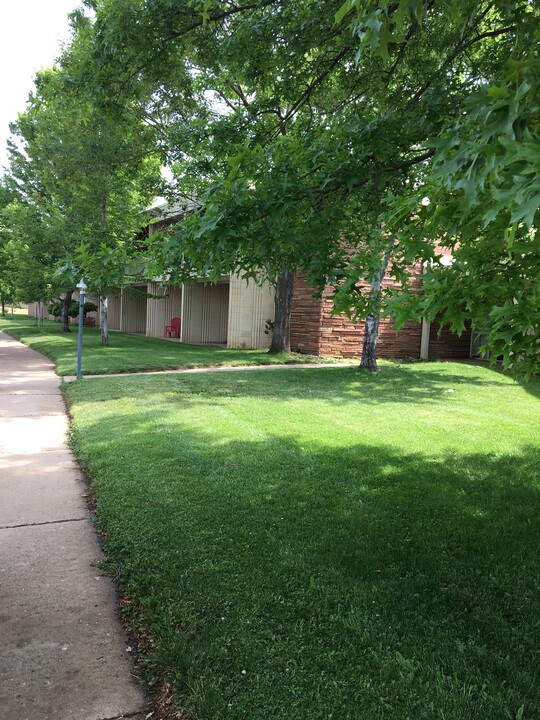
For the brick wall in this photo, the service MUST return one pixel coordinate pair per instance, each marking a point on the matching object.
(448, 345)
(340, 337)
(316, 331)
(306, 317)
(160, 225)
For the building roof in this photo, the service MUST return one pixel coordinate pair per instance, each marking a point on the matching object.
(163, 210)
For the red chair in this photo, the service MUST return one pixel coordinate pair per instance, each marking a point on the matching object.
(173, 330)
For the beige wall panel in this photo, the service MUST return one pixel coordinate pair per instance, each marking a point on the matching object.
(133, 312)
(113, 312)
(205, 313)
(33, 310)
(155, 311)
(191, 314)
(159, 312)
(250, 306)
(215, 313)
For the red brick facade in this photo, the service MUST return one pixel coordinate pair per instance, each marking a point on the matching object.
(314, 330)
(306, 319)
(448, 346)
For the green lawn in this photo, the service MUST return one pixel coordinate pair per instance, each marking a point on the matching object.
(316, 544)
(132, 353)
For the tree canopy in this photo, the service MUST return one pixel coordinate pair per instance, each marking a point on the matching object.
(481, 190)
(329, 138)
(81, 173)
(302, 129)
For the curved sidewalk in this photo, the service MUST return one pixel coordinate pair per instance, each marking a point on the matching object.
(63, 652)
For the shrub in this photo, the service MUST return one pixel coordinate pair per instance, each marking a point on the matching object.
(55, 308)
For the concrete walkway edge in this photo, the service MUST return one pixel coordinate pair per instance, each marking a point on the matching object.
(220, 368)
(63, 654)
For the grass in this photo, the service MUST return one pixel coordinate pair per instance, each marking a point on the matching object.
(322, 543)
(132, 353)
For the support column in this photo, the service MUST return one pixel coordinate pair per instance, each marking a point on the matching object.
(121, 324)
(424, 340)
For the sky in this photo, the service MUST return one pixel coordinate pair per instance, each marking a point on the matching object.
(31, 33)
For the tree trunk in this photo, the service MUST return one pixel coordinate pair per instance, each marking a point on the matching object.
(104, 319)
(104, 307)
(371, 332)
(369, 348)
(104, 209)
(3, 306)
(64, 317)
(281, 336)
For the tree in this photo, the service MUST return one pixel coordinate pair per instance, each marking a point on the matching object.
(34, 262)
(120, 162)
(292, 130)
(6, 281)
(481, 190)
(255, 110)
(193, 85)
(95, 170)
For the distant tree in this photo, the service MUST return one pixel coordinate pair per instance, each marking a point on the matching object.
(295, 125)
(34, 262)
(303, 129)
(6, 281)
(85, 172)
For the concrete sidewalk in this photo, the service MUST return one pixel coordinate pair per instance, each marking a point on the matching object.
(62, 651)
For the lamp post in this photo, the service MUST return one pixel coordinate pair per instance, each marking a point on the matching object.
(81, 287)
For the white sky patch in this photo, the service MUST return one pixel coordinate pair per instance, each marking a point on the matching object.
(31, 33)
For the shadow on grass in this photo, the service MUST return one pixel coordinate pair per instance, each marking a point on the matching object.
(134, 353)
(396, 383)
(406, 382)
(381, 584)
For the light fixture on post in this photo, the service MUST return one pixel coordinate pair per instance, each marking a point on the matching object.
(81, 287)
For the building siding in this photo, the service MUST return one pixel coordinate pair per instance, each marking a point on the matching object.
(204, 314)
(315, 330)
(444, 344)
(133, 310)
(306, 319)
(113, 312)
(160, 310)
(250, 307)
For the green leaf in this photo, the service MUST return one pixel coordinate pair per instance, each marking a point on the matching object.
(345, 9)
